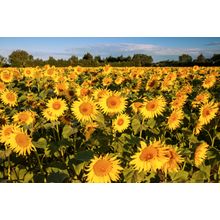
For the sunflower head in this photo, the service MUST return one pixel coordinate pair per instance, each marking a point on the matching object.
(121, 122)
(104, 169)
(200, 153)
(9, 97)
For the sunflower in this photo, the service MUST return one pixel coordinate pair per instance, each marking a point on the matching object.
(208, 112)
(84, 110)
(153, 108)
(178, 102)
(89, 129)
(152, 83)
(6, 132)
(28, 72)
(107, 81)
(57, 106)
(99, 93)
(6, 76)
(174, 160)
(2, 87)
(112, 103)
(24, 117)
(21, 143)
(200, 153)
(174, 119)
(3, 118)
(104, 169)
(121, 122)
(149, 158)
(136, 106)
(9, 97)
(49, 115)
(197, 128)
(201, 98)
(60, 87)
(82, 92)
(209, 81)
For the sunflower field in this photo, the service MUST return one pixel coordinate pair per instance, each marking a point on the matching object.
(110, 124)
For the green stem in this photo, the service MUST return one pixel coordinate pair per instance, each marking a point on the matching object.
(141, 127)
(9, 169)
(40, 165)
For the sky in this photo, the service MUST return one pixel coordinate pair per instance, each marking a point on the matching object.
(159, 48)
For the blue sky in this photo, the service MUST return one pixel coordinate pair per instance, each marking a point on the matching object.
(159, 48)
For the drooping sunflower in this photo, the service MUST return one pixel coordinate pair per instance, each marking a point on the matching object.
(136, 106)
(112, 103)
(174, 160)
(174, 119)
(24, 117)
(153, 108)
(104, 169)
(6, 76)
(89, 129)
(9, 97)
(57, 106)
(6, 132)
(21, 143)
(207, 112)
(200, 153)
(197, 128)
(149, 158)
(121, 122)
(84, 110)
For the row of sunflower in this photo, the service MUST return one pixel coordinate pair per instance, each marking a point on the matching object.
(109, 124)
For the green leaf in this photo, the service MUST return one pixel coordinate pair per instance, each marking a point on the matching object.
(78, 168)
(180, 176)
(151, 123)
(41, 143)
(84, 155)
(68, 131)
(136, 125)
(218, 135)
(198, 177)
(57, 177)
(193, 139)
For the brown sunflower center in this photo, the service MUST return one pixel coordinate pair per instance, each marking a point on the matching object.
(148, 154)
(6, 76)
(102, 167)
(120, 121)
(56, 105)
(22, 140)
(151, 105)
(206, 112)
(86, 108)
(10, 96)
(113, 102)
(23, 117)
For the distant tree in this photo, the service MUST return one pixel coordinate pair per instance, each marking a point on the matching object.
(51, 61)
(216, 59)
(88, 56)
(141, 60)
(73, 60)
(200, 60)
(2, 61)
(20, 58)
(185, 59)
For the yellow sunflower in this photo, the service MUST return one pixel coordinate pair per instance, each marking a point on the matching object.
(49, 115)
(99, 93)
(60, 87)
(6, 132)
(136, 106)
(174, 160)
(200, 153)
(207, 112)
(84, 110)
(209, 81)
(121, 122)
(2, 87)
(112, 103)
(197, 128)
(57, 106)
(201, 98)
(179, 102)
(24, 117)
(174, 119)
(149, 158)
(153, 108)
(9, 97)
(104, 169)
(21, 143)
(6, 76)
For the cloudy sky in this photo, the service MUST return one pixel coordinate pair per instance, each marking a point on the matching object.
(159, 48)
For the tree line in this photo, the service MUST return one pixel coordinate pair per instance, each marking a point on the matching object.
(21, 58)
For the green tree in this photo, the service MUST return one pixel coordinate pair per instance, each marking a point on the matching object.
(141, 60)
(88, 56)
(73, 60)
(2, 61)
(20, 58)
(185, 59)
